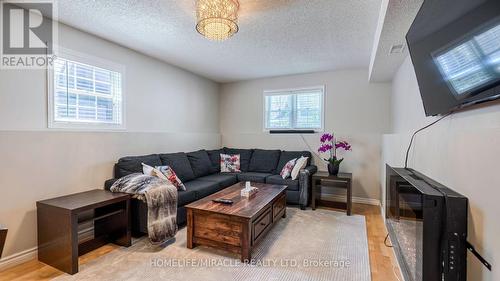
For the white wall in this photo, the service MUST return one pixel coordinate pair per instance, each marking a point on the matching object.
(355, 109)
(167, 109)
(461, 152)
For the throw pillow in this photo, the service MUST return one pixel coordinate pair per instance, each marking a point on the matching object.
(229, 163)
(147, 170)
(155, 172)
(287, 169)
(170, 175)
(299, 165)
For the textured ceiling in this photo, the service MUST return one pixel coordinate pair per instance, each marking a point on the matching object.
(395, 19)
(277, 37)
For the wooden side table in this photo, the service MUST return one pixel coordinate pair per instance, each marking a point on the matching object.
(3, 237)
(59, 220)
(342, 180)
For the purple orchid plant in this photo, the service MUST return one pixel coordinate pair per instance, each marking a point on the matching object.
(330, 145)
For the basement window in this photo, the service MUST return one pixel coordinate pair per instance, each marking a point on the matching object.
(85, 93)
(294, 109)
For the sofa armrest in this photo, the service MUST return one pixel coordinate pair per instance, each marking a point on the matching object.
(305, 184)
(311, 169)
(109, 183)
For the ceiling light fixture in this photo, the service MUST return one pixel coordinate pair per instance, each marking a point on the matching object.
(217, 19)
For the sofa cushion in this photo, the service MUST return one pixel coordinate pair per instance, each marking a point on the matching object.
(214, 156)
(245, 155)
(289, 155)
(264, 161)
(202, 188)
(133, 164)
(180, 164)
(277, 179)
(185, 197)
(224, 180)
(292, 197)
(200, 163)
(253, 176)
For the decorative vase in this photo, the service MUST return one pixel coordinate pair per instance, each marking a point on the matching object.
(333, 169)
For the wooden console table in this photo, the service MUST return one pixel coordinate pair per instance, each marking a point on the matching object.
(59, 220)
(3, 237)
(342, 180)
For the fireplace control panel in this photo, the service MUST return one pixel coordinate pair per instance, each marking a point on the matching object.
(453, 252)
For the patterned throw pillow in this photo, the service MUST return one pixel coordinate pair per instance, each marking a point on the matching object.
(165, 173)
(229, 163)
(287, 169)
(169, 173)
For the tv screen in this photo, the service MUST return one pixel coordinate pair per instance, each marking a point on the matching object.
(455, 49)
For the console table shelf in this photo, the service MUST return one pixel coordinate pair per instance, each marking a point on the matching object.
(93, 219)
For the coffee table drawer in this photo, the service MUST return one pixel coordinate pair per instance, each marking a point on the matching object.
(261, 224)
(218, 228)
(278, 207)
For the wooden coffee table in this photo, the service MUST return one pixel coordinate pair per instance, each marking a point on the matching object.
(238, 227)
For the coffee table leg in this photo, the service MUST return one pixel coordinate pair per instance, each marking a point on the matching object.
(246, 254)
(190, 243)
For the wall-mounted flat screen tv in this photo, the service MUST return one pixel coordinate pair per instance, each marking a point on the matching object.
(455, 50)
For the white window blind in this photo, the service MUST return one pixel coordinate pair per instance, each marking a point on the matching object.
(473, 63)
(294, 109)
(86, 94)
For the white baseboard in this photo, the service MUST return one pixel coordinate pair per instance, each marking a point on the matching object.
(18, 258)
(360, 200)
(31, 254)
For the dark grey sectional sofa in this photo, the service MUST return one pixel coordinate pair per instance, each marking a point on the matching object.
(200, 173)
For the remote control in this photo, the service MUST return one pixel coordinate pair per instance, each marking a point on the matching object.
(223, 201)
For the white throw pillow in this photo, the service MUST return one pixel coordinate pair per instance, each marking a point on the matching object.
(155, 172)
(299, 165)
(147, 170)
(159, 174)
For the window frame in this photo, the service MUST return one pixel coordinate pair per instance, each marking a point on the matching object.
(279, 92)
(84, 125)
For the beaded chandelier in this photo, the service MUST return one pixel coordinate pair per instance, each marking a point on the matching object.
(217, 19)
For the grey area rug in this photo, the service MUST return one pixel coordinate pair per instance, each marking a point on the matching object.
(306, 245)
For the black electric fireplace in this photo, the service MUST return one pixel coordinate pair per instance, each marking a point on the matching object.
(427, 224)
